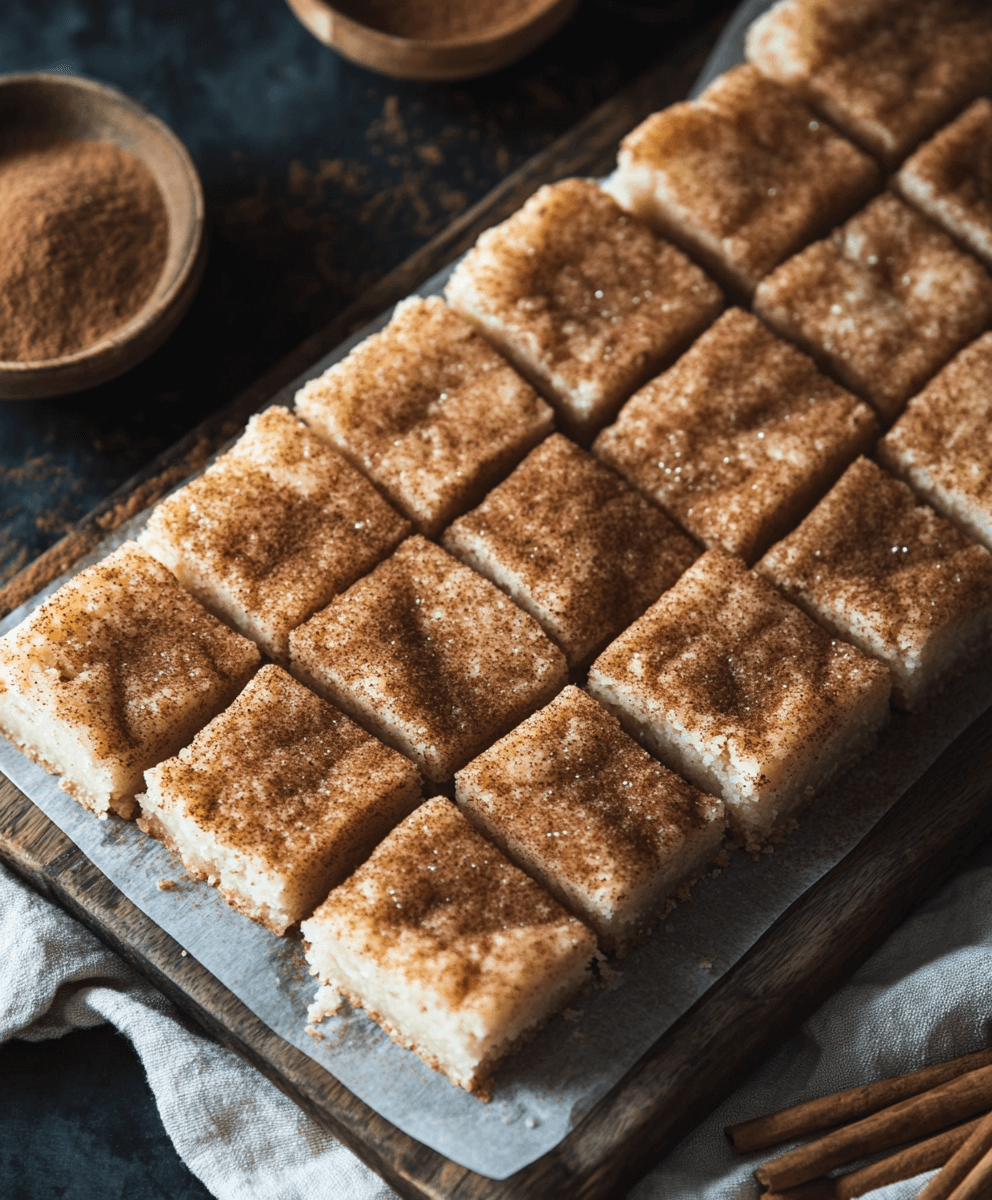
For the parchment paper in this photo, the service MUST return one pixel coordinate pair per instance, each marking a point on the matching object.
(541, 1094)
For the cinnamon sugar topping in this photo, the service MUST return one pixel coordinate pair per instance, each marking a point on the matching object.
(430, 656)
(884, 302)
(739, 438)
(429, 411)
(742, 177)
(583, 298)
(573, 545)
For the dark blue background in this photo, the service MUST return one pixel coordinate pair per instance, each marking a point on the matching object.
(319, 178)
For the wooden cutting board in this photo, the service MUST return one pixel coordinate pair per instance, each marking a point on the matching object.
(805, 956)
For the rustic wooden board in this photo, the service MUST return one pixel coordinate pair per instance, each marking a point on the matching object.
(810, 950)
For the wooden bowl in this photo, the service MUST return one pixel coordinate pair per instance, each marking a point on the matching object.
(415, 58)
(81, 108)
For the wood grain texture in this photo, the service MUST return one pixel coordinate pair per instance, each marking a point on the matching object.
(588, 149)
(804, 957)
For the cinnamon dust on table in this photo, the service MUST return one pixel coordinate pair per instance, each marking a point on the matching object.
(84, 241)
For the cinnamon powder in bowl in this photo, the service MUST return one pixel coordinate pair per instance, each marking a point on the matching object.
(102, 217)
(433, 39)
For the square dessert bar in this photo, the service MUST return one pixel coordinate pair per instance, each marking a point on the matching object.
(430, 657)
(742, 177)
(429, 411)
(886, 72)
(882, 303)
(950, 179)
(739, 438)
(742, 694)
(448, 946)
(274, 529)
(583, 298)
(942, 444)
(609, 831)
(574, 545)
(278, 799)
(113, 673)
(875, 566)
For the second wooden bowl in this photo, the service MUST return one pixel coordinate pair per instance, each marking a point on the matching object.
(498, 42)
(82, 108)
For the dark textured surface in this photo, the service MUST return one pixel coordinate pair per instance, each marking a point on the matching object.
(78, 1120)
(319, 178)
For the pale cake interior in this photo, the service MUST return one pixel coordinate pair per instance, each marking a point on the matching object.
(950, 179)
(456, 952)
(582, 808)
(278, 799)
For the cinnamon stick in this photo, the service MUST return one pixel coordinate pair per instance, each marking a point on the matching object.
(903, 1122)
(960, 1165)
(977, 1185)
(923, 1156)
(851, 1105)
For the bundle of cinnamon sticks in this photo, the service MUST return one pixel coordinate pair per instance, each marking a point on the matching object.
(940, 1117)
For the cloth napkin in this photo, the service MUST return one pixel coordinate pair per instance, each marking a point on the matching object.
(926, 995)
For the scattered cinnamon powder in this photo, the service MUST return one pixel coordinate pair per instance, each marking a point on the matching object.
(85, 238)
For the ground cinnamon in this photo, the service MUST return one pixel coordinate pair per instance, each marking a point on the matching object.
(84, 241)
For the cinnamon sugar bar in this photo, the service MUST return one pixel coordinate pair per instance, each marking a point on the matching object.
(278, 799)
(742, 694)
(942, 444)
(435, 660)
(950, 179)
(454, 951)
(875, 566)
(742, 177)
(274, 529)
(114, 673)
(583, 298)
(574, 546)
(886, 72)
(609, 831)
(429, 411)
(739, 438)
(883, 303)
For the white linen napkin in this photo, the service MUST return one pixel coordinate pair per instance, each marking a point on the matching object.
(926, 995)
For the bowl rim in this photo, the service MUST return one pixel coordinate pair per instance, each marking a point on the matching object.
(155, 307)
(491, 34)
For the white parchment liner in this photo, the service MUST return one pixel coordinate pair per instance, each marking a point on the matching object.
(542, 1093)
